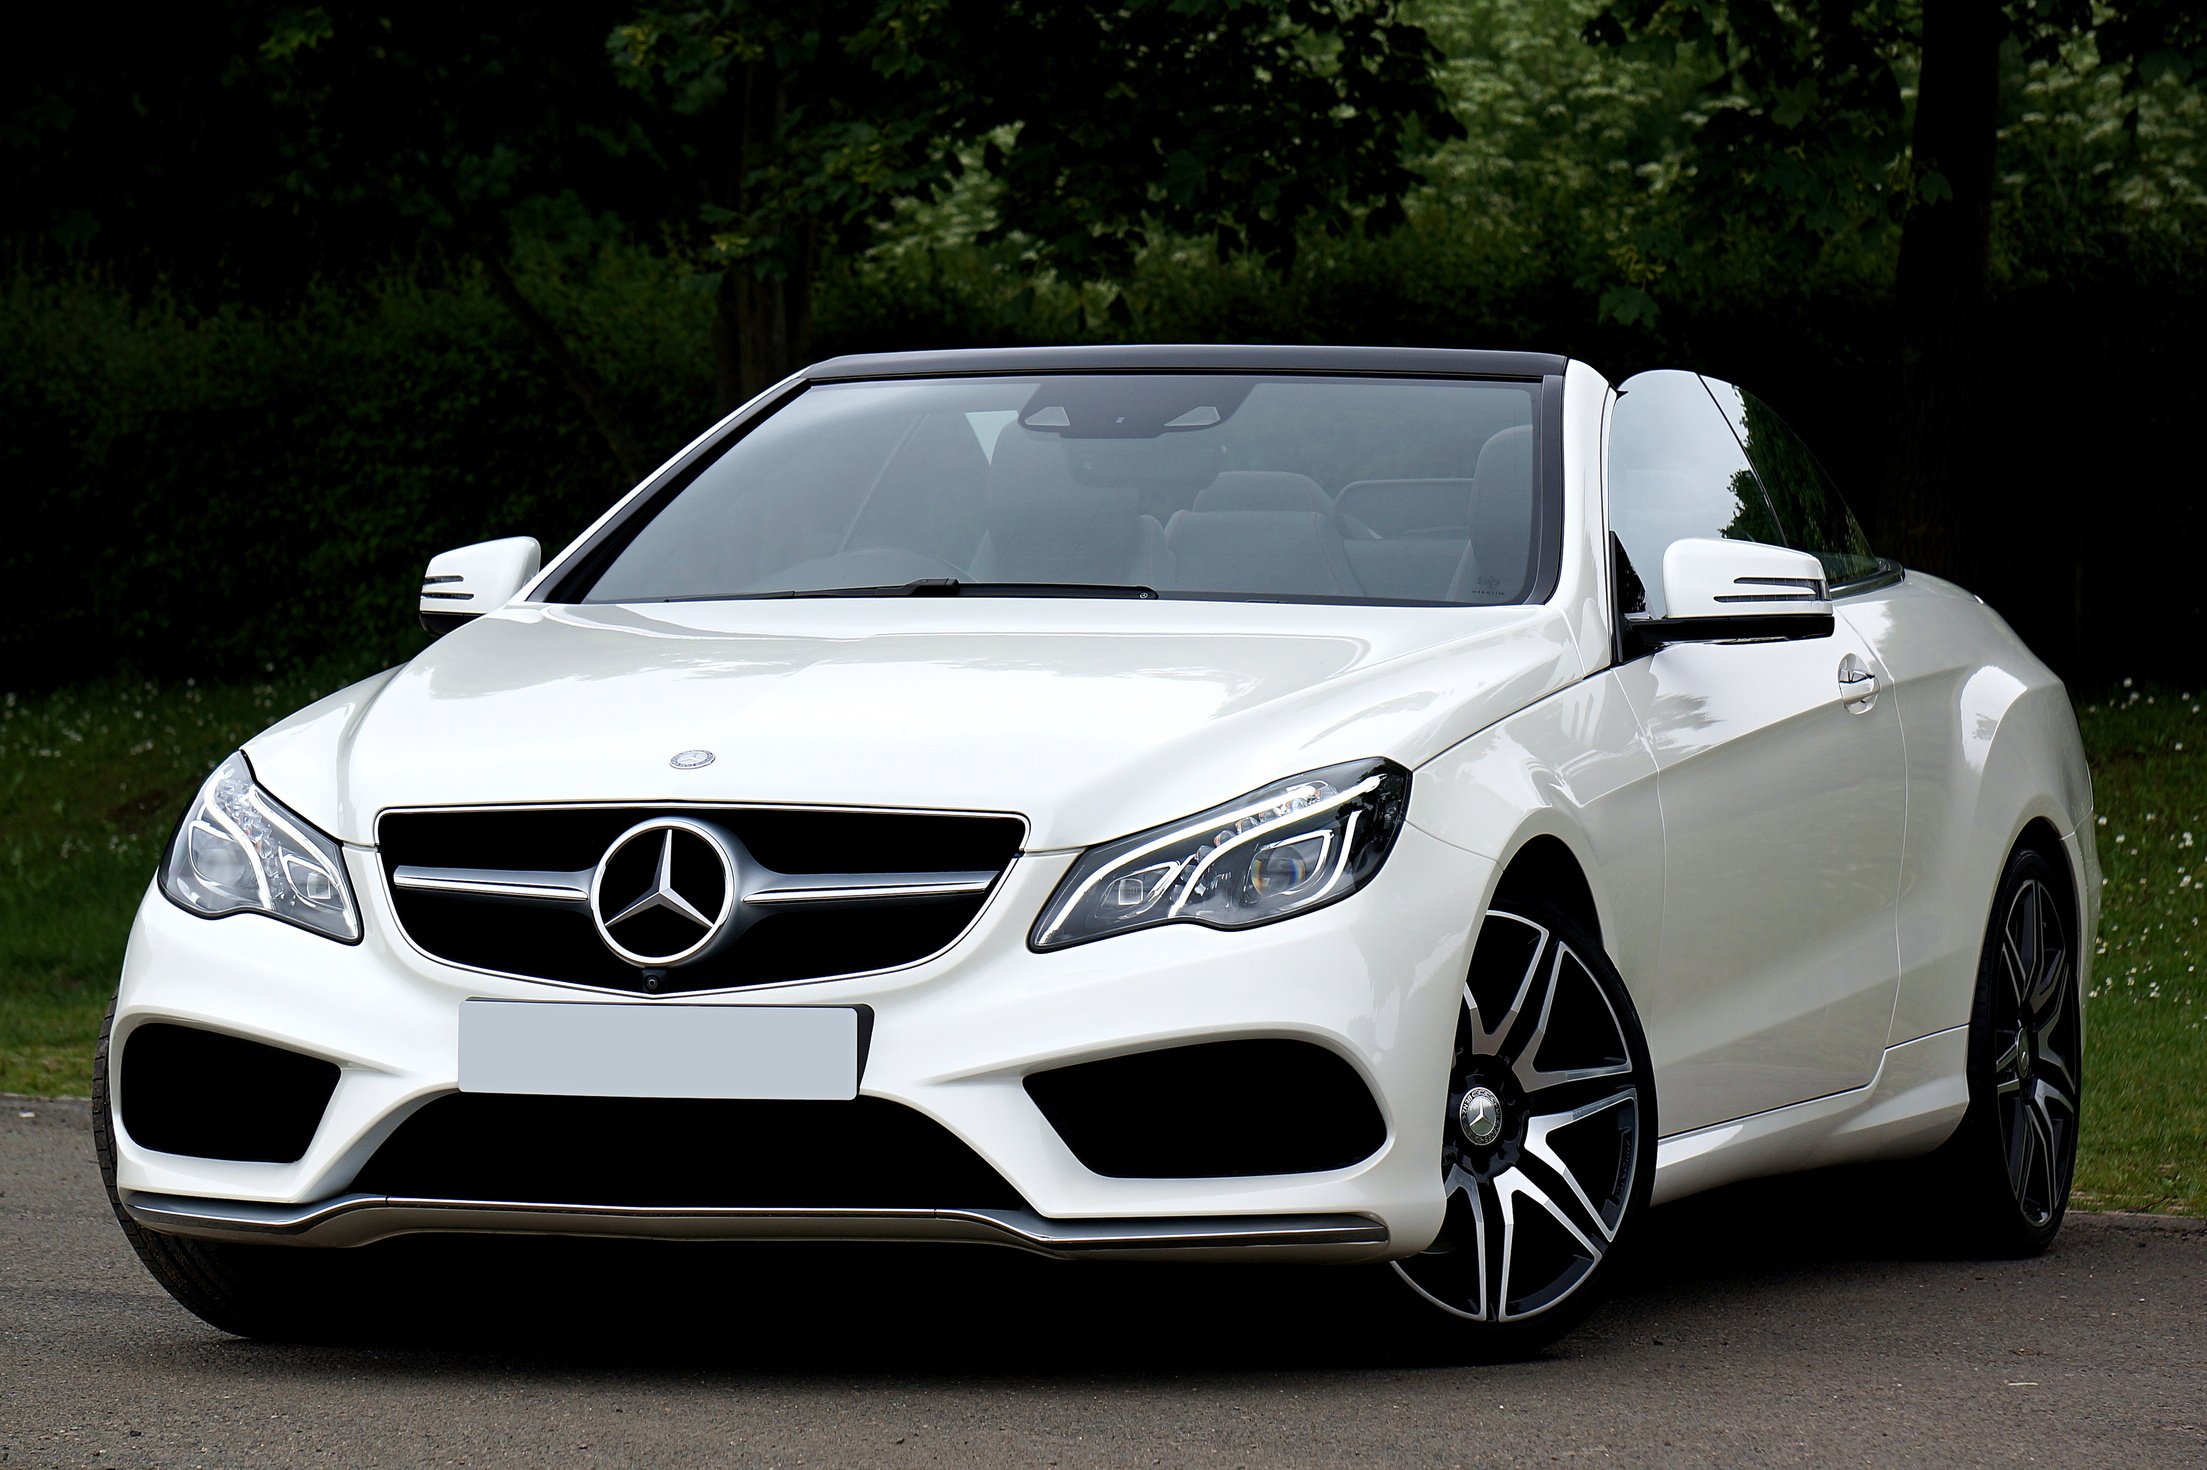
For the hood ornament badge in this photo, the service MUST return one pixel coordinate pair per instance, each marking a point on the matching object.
(690, 760)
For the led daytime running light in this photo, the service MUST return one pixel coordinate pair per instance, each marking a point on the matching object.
(240, 850)
(1240, 864)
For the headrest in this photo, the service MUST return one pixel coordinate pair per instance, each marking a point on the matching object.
(1045, 524)
(1263, 490)
(1407, 507)
(1504, 502)
(1276, 552)
(1508, 455)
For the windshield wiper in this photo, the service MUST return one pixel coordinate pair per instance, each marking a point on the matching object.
(954, 587)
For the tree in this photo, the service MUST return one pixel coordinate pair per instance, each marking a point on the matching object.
(763, 139)
(1811, 132)
(470, 128)
(1099, 122)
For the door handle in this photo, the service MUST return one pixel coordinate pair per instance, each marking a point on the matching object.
(1857, 686)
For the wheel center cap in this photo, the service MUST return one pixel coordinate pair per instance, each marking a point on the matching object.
(1479, 1116)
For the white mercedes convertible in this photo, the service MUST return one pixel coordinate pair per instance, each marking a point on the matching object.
(1322, 804)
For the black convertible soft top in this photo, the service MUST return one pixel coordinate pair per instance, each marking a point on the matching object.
(1420, 361)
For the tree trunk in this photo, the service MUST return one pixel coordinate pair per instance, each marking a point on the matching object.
(762, 330)
(762, 321)
(1933, 491)
(580, 378)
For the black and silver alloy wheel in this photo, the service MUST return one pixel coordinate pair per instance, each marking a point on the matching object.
(2035, 1062)
(1547, 1153)
(2015, 1153)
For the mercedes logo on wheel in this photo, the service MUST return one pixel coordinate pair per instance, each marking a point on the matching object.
(1479, 1115)
(663, 892)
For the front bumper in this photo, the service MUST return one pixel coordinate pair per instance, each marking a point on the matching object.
(1376, 979)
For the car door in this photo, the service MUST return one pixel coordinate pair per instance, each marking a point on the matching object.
(1921, 661)
(1779, 774)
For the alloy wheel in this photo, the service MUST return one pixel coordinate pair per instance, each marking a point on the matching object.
(2035, 1035)
(1545, 1136)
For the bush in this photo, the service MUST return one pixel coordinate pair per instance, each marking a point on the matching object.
(222, 492)
(219, 493)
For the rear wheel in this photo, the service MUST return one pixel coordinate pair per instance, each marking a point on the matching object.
(270, 1291)
(2010, 1163)
(1548, 1144)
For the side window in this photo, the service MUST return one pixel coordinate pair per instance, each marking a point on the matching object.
(1676, 470)
(1810, 512)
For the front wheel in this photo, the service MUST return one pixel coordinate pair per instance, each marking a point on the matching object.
(1548, 1143)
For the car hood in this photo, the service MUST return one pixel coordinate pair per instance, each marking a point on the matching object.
(1092, 718)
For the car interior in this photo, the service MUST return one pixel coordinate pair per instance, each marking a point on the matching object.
(1016, 496)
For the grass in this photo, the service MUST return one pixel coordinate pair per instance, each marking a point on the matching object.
(2145, 1122)
(92, 779)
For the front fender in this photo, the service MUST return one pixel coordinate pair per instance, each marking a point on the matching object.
(1574, 767)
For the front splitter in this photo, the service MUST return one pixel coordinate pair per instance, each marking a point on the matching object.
(361, 1219)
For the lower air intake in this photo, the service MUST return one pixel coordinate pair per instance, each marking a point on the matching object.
(1219, 1109)
(182, 1090)
(867, 1153)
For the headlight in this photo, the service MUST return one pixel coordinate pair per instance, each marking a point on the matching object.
(1306, 841)
(241, 851)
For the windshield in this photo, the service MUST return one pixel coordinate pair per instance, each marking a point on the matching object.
(1294, 488)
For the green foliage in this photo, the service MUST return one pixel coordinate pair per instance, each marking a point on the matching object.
(236, 489)
(1799, 128)
(184, 447)
(451, 119)
(1800, 150)
(1099, 123)
(2097, 173)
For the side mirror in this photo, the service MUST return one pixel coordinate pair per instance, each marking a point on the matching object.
(462, 585)
(1723, 591)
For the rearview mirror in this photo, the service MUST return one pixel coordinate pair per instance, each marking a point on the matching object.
(464, 584)
(1723, 591)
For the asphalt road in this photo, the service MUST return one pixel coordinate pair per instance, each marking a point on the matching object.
(1845, 1346)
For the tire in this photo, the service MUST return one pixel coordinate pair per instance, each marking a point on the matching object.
(290, 1293)
(1548, 1146)
(2008, 1168)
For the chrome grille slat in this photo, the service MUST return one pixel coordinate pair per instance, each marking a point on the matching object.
(837, 888)
(568, 887)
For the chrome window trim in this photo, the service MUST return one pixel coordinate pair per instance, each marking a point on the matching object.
(1890, 573)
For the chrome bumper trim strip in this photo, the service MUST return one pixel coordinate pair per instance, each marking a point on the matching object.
(359, 1219)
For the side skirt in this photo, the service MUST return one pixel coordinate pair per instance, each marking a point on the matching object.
(1910, 1106)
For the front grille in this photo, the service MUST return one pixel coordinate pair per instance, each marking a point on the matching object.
(825, 931)
(670, 1153)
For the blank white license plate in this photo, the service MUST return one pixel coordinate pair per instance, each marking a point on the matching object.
(583, 1050)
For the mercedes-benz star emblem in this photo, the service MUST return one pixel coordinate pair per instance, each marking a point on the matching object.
(1480, 1116)
(690, 760)
(663, 892)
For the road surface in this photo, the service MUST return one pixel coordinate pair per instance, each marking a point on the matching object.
(1742, 1337)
